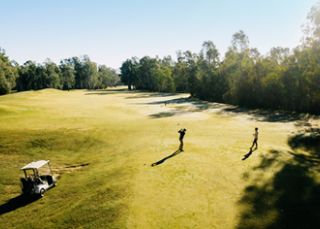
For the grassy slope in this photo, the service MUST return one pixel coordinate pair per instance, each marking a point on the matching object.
(120, 134)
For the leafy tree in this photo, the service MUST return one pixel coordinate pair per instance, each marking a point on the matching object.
(8, 74)
(180, 70)
(212, 84)
(192, 72)
(28, 79)
(67, 76)
(107, 77)
(86, 73)
(240, 42)
(51, 75)
(89, 74)
(129, 72)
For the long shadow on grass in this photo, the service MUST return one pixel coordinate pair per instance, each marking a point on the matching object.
(145, 95)
(291, 198)
(162, 115)
(184, 106)
(199, 105)
(166, 158)
(107, 91)
(267, 115)
(247, 155)
(138, 93)
(255, 114)
(15, 203)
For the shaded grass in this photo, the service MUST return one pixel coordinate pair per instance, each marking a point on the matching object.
(291, 197)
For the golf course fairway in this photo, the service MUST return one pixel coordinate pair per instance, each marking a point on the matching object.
(101, 145)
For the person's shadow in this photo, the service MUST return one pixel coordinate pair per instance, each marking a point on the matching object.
(166, 158)
(15, 203)
(247, 155)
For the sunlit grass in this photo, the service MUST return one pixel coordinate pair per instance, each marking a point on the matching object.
(118, 135)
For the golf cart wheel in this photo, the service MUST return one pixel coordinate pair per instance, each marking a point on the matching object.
(42, 191)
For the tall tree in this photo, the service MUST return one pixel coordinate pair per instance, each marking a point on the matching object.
(129, 72)
(67, 74)
(107, 77)
(28, 79)
(8, 74)
(52, 75)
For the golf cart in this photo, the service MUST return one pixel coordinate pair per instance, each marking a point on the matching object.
(37, 178)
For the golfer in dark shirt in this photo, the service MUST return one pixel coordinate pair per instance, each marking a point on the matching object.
(182, 132)
(255, 138)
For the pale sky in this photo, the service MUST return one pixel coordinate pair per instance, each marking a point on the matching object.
(110, 31)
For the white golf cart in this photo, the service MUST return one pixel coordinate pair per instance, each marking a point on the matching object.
(37, 178)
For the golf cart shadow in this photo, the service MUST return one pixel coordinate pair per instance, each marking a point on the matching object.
(17, 202)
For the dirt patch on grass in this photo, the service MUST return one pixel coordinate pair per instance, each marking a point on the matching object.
(59, 170)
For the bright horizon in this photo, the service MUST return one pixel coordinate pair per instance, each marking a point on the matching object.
(109, 32)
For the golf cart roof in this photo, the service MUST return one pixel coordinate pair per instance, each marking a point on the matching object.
(35, 165)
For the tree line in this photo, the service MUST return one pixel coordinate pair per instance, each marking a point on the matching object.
(72, 73)
(282, 79)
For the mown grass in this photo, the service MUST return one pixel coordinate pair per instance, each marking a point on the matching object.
(92, 196)
(77, 193)
(102, 145)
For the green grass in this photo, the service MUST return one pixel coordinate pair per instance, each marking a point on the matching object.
(119, 134)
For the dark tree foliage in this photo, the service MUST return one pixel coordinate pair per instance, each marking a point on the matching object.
(129, 71)
(74, 72)
(8, 74)
(148, 73)
(67, 74)
(107, 77)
